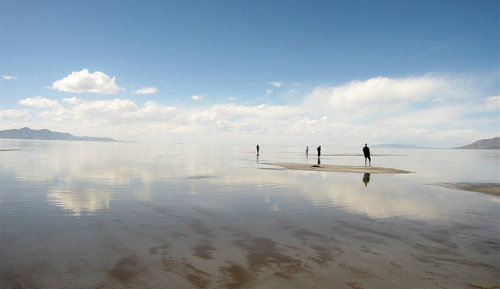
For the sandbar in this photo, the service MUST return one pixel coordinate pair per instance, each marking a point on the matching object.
(339, 168)
(486, 188)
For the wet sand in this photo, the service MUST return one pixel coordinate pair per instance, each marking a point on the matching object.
(486, 188)
(339, 168)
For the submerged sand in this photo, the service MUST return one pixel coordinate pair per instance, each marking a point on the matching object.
(339, 168)
(486, 188)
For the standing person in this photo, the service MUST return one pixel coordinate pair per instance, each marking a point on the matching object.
(307, 151)
(319, 151)
(258, 148)
(366, 152)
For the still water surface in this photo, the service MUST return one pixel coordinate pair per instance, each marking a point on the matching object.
(127, 215)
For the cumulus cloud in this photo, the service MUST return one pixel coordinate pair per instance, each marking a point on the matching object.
(84, 81)
(196, 97)
(382, 95)
(39, 102)
(146, 90)
(406, 110)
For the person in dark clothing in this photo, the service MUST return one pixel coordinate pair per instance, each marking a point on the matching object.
(258, 148)
(366, 152)
(319, 151)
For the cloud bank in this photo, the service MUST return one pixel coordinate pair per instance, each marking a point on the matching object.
(426, 110)
(14, 115)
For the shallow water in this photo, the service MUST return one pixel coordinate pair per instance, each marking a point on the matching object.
(126, 215)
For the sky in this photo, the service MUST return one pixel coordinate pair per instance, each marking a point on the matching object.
(278, 72)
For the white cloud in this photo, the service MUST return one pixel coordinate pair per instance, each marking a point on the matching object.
(39, 102)
(428, 117)
(375, 95)
(115, 109)
(154, 112)
(58, 115)
(8, 77)
(83, 81)
(492, 103)
(277, 84)
(14, 115)
(146, 90)
(72, 100)
(196, 97)
(274, 84)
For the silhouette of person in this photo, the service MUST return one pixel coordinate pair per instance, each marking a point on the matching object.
(307, 150)
(319, 151)
(366, 179)
(366, 152)
(258, 148)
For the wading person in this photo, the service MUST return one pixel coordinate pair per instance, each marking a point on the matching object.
(366, 152)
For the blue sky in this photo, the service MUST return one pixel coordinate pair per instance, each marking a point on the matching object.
(340, 72)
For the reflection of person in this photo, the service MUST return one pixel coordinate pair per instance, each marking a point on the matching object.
(366, 179)
(366, 152)
(258, 148)
(319, 151)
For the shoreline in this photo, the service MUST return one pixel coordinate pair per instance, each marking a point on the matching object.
(339, 168)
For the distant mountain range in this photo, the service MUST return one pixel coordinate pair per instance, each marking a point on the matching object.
(45, 134)
(490, 143)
